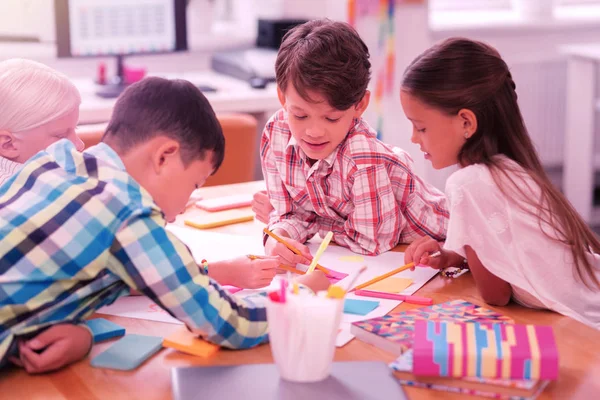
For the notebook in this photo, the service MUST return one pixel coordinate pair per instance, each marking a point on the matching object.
(348, 381)
(484, 350)
(394, 332)
(225, 202)
(103, 329)
(491, 388)
(220, 218)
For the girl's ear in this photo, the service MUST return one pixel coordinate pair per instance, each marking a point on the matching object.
(468, 122)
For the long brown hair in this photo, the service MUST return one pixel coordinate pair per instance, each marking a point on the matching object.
(465, 74)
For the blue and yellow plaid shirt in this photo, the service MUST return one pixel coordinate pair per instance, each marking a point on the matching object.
(76, 232)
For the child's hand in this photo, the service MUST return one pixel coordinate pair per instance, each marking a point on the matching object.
(316, 280)
(274, 248)
(419, 251)
(249, 274)
(54, 348)
(262, 206)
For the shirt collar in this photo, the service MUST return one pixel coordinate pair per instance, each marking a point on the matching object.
(105, 153)
(327, 160)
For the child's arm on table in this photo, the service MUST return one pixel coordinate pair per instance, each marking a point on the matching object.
(493, 290)
(173, 281)
(244, 272)
(288, 221)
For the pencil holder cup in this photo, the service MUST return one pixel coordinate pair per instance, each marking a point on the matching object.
(302, 332)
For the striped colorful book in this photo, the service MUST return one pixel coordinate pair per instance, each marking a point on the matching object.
(484, 350)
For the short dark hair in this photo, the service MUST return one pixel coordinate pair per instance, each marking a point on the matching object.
(327, 57)
(174, 108)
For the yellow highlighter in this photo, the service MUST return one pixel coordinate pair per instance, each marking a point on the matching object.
(322, 248)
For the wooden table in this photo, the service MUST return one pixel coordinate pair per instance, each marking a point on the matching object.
(578, 347)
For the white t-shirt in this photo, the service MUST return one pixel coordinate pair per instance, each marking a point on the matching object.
(511, 245)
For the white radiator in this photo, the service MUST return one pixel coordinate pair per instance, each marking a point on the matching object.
(541, 87)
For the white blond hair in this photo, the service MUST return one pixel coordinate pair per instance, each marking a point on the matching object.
(33, 94)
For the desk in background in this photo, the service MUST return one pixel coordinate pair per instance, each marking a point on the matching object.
(579, 362)
(231, 96)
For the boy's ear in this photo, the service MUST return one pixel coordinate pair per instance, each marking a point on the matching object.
(9, 148)
(166, 152)
(281, 96)
(362, 105)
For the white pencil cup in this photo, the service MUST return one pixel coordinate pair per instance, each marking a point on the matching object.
(302, 332)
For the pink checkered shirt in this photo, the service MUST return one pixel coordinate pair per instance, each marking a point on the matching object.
(365, 192)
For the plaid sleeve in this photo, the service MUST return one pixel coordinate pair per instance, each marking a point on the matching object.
(375, 224)
(425, 210)
(154, 262)
(300, 224)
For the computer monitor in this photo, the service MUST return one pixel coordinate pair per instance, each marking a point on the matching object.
(92, 28)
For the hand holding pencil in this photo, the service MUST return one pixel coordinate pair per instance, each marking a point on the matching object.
(419, 252)
(290, 251)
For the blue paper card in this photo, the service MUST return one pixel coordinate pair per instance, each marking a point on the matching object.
(359, 307)
(128, 352)
(103, 329)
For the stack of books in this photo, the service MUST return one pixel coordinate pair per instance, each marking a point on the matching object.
(461, 347)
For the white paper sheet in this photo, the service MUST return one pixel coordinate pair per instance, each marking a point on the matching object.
(219, 246)
(139, 307)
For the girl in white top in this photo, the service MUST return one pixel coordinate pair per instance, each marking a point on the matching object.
(38, 106)
(521, 238)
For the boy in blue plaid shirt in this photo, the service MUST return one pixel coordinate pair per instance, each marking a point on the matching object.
(78, 230)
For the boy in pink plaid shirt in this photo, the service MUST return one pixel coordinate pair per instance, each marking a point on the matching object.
(324, 168)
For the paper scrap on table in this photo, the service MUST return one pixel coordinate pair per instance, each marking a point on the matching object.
(343, 336)
(335, 276)
(354, 259)
(359, 307)
(139, 307)
(390, 285)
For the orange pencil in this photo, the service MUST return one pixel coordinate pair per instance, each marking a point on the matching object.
(388, 274)
(291, 248)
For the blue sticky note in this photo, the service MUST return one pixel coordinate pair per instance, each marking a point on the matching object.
(359, 307)
(103, 329)
(128, 352)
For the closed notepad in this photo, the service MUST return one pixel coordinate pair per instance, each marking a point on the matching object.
(221, 218)
(103, 329)
(484, 350)
(128, 352)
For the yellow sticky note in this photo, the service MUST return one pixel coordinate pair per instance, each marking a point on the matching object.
(390, 285)
(356, 259)
(186, 342)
